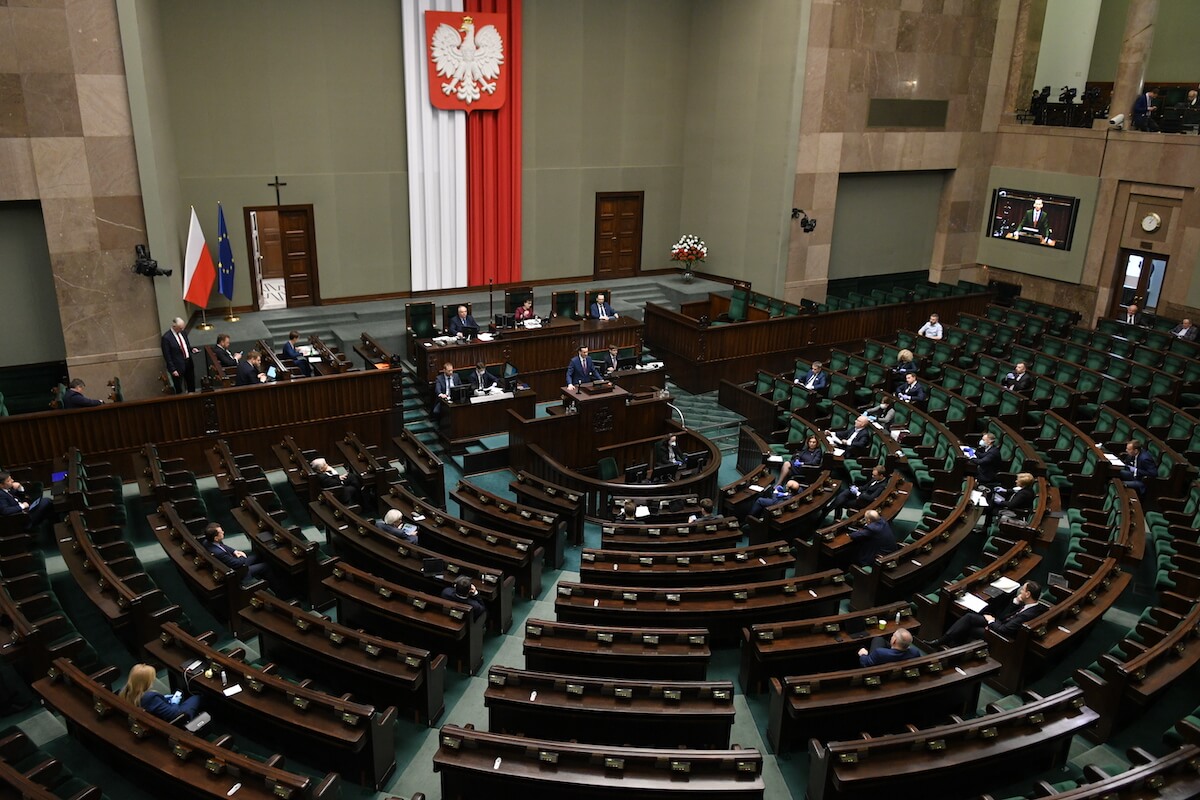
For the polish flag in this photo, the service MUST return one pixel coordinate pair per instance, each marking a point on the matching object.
(198, 270)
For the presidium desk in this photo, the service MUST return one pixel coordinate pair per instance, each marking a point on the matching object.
(539, 354)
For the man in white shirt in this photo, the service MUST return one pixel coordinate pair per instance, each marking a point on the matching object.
(931, 329)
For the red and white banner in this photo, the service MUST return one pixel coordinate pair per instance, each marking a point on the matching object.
(467, 68)
(198, 270)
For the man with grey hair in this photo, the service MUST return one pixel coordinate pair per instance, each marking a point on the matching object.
(886, 651)
(393, 523)
(177, 353)
(329, 478)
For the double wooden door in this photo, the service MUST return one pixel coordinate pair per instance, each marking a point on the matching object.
(282, 241)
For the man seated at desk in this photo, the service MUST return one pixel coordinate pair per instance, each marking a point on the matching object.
(1000, 615)
(214, 537)
(225, 356)
(855, 438)
(329, 478)
(481, 379)
(815, 380)
(581, 370)
(773, 496)
(248, 372)
(290, 350)
(912, 391)
(393, 523)
(463, 324)
(888, 651)
(76, 398)
(612, 361)
(446, 380)
(463, 591)
(601, 309)
(873, 539)
(14, 501)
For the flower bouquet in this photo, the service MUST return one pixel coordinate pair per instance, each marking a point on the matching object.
(688, 250)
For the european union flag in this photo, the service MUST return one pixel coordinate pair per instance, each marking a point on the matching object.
(224, 257)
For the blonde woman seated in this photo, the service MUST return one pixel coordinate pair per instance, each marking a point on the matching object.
(138, 692)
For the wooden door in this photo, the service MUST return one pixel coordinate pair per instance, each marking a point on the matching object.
(1139, 280)
(282, 242)
(618, 250)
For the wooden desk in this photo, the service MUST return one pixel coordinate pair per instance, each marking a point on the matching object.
(539, 354)
(482, 416)
(615, 652)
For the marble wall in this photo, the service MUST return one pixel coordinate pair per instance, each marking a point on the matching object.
(953, 50)
(67, 141)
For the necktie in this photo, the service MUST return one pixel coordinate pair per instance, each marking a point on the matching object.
(182, 346)
(1130, 319)
(603, 314)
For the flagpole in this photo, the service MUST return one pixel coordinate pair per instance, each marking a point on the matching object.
(204, 325)
(231, 317)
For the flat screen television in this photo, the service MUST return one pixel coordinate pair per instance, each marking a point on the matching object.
(1035, 218)
(460, 393)
(636, 473)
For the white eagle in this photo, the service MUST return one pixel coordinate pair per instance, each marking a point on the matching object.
(471, 62)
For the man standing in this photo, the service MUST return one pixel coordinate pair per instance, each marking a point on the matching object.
(986, 460)
(581, 370)
(1143, 111)
(601, 309)
(1036, 222)
(873, 539)
(177, 353)
(76, 398)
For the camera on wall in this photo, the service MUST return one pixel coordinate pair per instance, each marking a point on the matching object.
(1117, 122)
(145, 265)
(1067, 95)
(807, 225)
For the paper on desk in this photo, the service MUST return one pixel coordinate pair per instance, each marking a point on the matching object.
(1005, 584)
(775, 459)
(754, 487)
(232, 690)
(641, 511)
(1116, 462)
(978, 499)
(973, 602)
(837, 451)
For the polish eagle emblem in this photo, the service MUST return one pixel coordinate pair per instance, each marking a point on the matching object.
(470, 62)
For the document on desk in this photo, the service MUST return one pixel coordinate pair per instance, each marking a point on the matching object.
(487, 398)
(1006, 585)
(972, 602)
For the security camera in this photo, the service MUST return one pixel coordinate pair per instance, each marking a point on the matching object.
(145, 265)
(1117, 122)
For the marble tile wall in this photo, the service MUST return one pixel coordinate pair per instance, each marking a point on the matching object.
(66, 139)
(954, 50)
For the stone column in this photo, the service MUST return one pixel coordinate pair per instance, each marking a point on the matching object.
(1135, 52)
(1027, 44)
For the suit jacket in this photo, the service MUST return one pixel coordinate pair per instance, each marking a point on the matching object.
(394, 531)
(78, 400)
(1189, 334)
(478, 609)
(870, 492)
(902, 368)
(225, 554)
(987, 464)
(608, 310)
(157, 705)
(611, 363)
(582, 371)
(855, 438)
(486, 381)
(873, 540)
(177, 360)
(442, 384)
(247, 374)
(1018, 383)
(1141, 106)
(1015, 618)
(462, 326)
(822, 379)
(913, 394)
(10, 503)
(1146, 466)
(1041, 224)
(887, 655)
(1137, 319)
(224, 357)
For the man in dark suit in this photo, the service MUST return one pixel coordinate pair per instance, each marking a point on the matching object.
(873, 539)
(888, 651)
(393, 523)
(447, 379)
(214, 536)
(329, 478)
(1019, 380)
(291, 351)
(1185, 330)
(854, 438)
(912, 391)
(987, 460)
(815, 380)
(1132, 315)
(1139, 466)
(612, 361)
(1005, 620)
(463, 591)
(481, 379)
(463, 324)
(177, 353)
(1036, 221)
(1143, 111)
(76, 398)
(581, 370)
(601, 309)
(225, 356)
(14, 500)
(248, 373)
(861, 495)
(770, 497)
(1191, 103)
